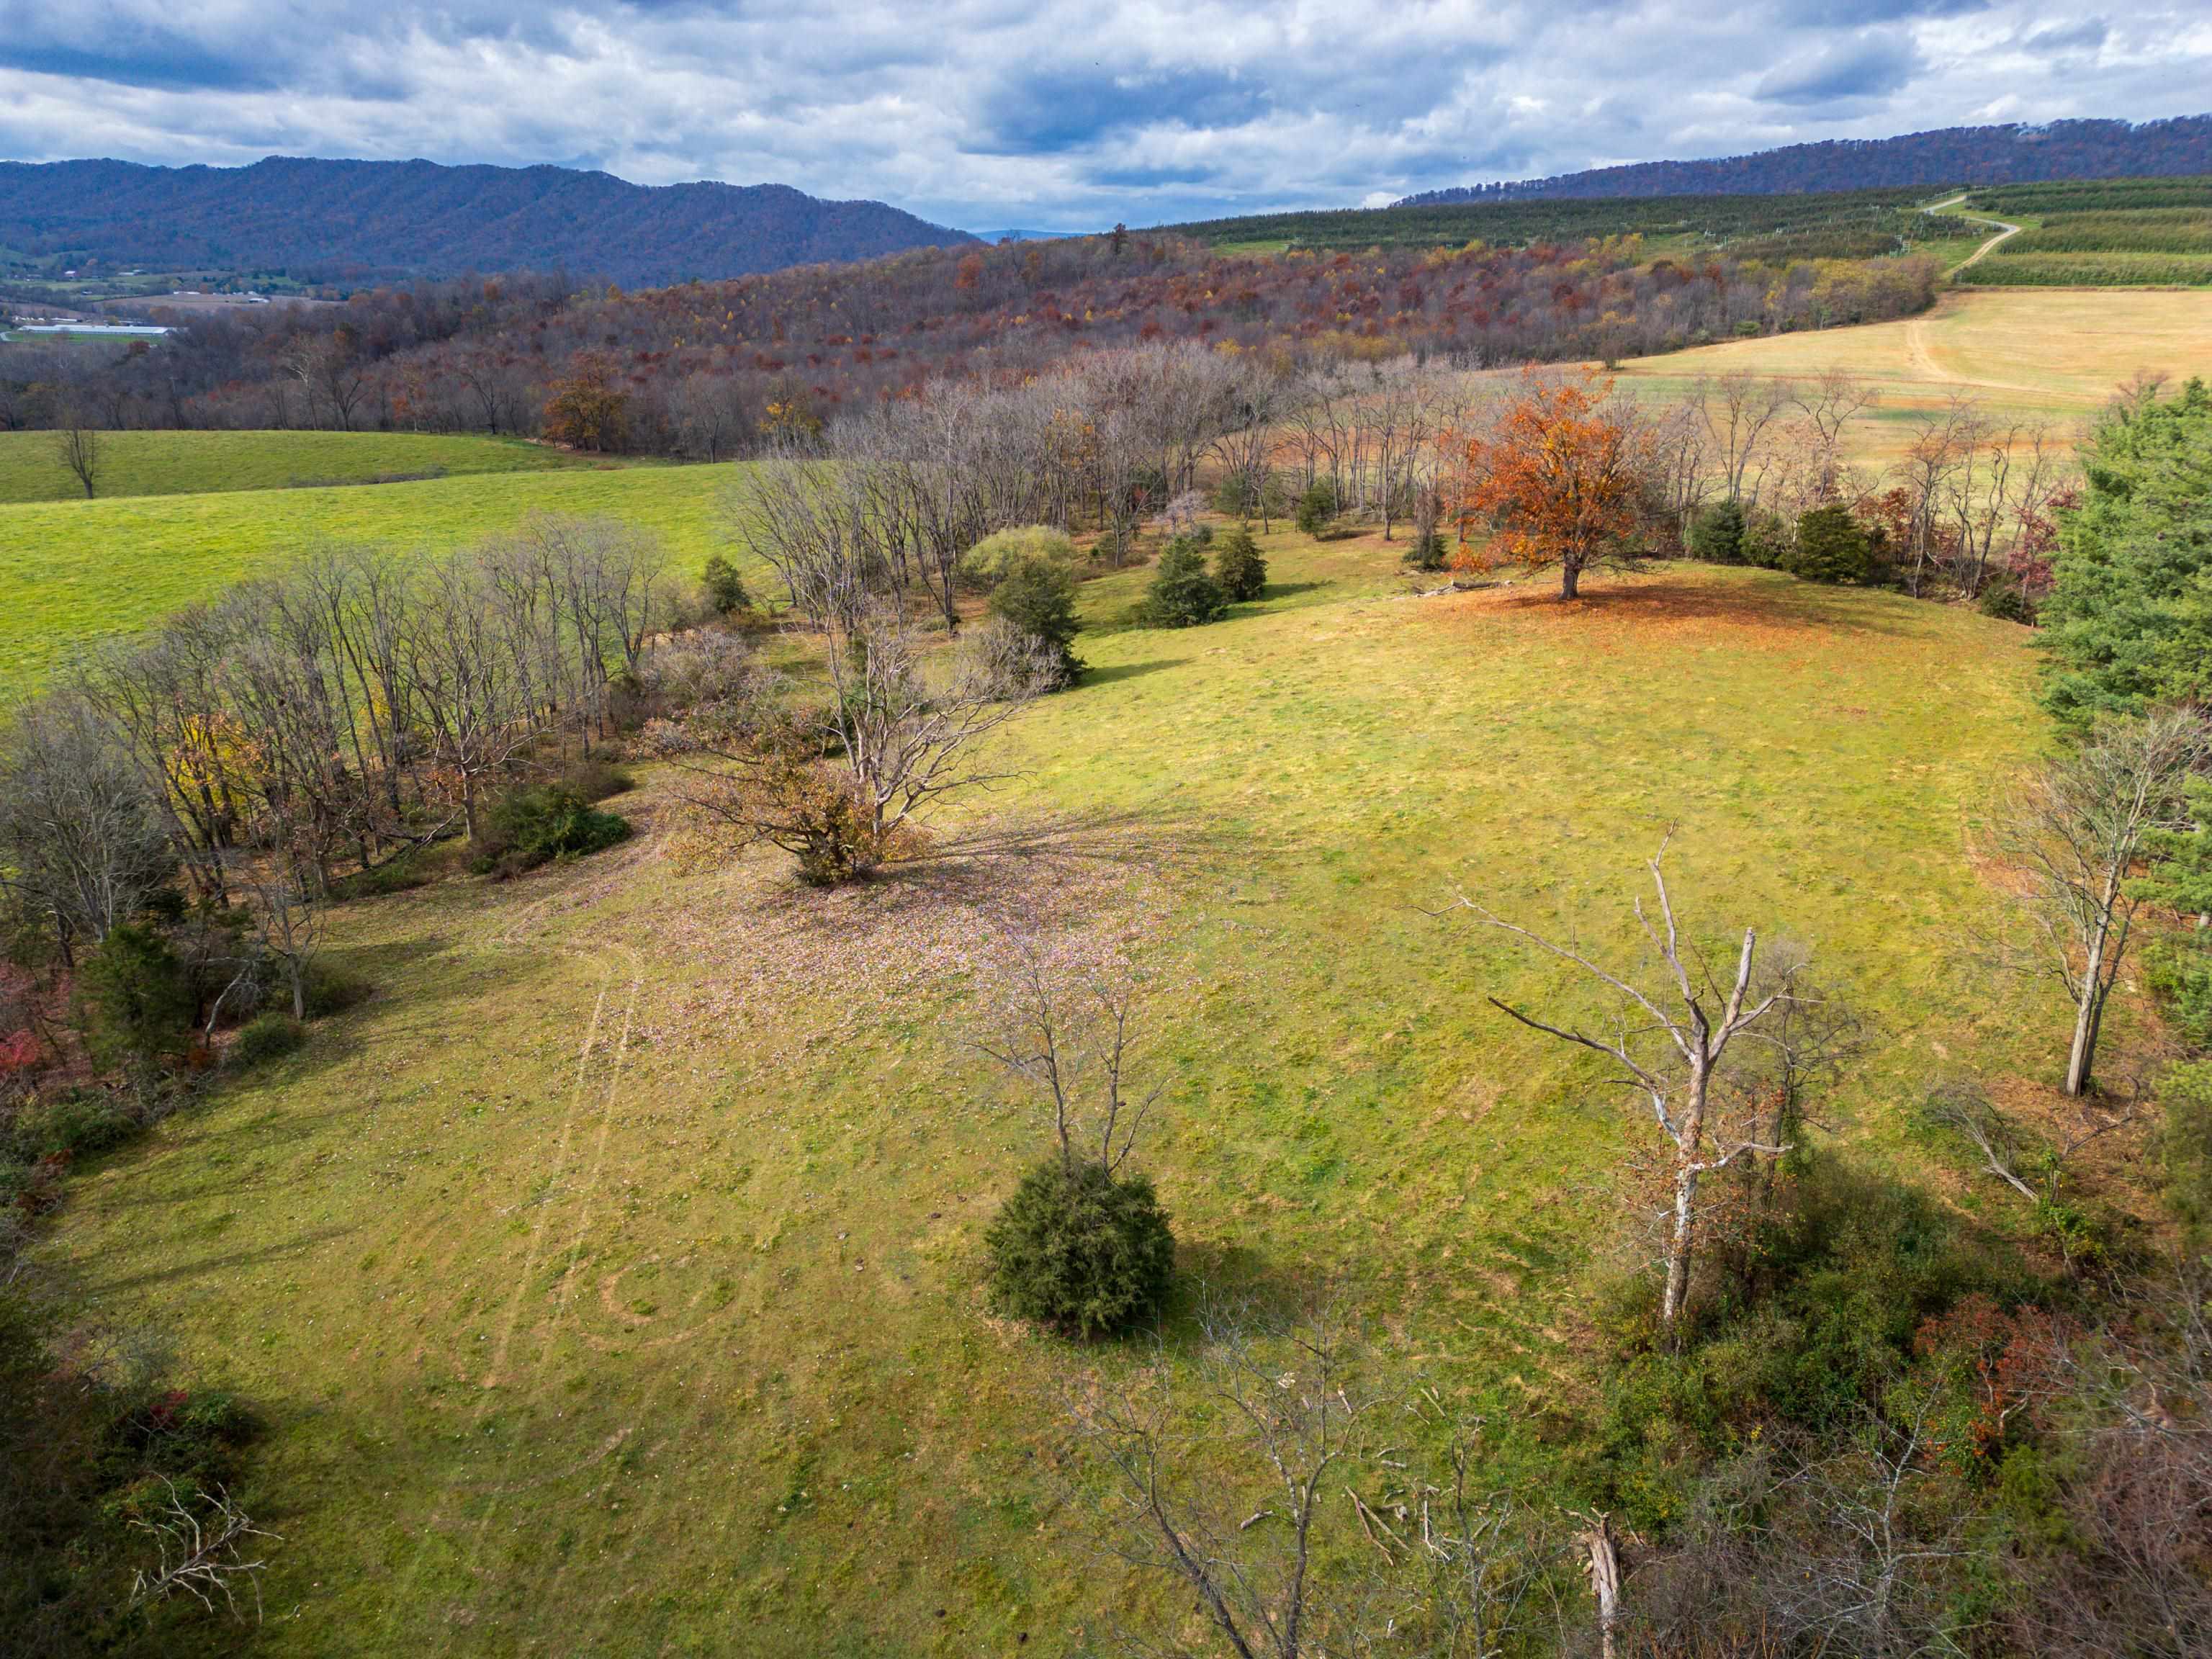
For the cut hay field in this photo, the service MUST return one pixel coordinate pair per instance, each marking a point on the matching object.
(75, 571)
(610, 1280)
(193, 462)
(2057, 355)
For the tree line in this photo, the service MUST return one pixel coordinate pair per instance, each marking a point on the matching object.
(707, 370)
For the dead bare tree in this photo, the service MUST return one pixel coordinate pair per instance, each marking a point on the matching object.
(1287, 1397)
(1066, 1020)
(1269, 1482)
(2138, 1585)
(1673, 1060)
(1963, 1108)
(2012, 1156)
(1487, 1556)
(2074, 830)
(1862, 1572)
(201, 1555)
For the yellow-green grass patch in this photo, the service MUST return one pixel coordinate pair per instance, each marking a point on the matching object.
(611, 1278)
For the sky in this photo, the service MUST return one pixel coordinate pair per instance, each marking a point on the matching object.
(1066, 114)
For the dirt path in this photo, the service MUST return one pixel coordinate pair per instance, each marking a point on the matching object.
(1920, 361)
(2004, 230)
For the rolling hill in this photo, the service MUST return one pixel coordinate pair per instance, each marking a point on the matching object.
(321, 219)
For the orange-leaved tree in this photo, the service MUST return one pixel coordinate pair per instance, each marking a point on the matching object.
(1559, 478)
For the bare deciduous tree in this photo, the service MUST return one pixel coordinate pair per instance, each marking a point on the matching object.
(844, 786)
(77, 447)
(1673, 1060)
(1828, 406)
(1067, 1021)
(1291, 1407)
(1741, 412)
(201, 1555)
(82, 840)
(2074, 832)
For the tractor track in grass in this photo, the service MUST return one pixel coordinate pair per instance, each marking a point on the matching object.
(514, 1379)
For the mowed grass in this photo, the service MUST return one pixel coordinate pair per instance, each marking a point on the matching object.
(193, 463)
(78, 571)
(611, 1280)
(2050, 356)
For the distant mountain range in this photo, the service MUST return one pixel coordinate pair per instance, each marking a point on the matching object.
(1950, 155)
(320, 219)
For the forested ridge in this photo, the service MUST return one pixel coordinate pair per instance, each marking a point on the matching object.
(322, 220)
(2015, 152)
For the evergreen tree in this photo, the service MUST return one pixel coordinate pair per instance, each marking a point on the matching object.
(1183, 593)
(1766, 541)
(726, 588)
(1832, 546)
(1716, 533)
(2129, 615)
(1238, 566)
(1317, 506)
(1037, 595)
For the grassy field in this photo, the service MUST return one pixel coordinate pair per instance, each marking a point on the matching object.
(78, 570)
(2057, 355)
(610, 1280)
(195, 463)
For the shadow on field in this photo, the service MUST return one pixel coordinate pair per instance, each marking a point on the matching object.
(1029, 868)
(1136, 840)
(1126, 671)
(1289, 590)
(1228, 1286)
(1750, 605)
(177, 1268)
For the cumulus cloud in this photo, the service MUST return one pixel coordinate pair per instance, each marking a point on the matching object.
(1063, 114)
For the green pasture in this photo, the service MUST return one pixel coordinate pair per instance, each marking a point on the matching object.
(196, 463)
(75, 571)
(610, 1281)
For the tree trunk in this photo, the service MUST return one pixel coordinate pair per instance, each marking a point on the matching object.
(1678, 1247)
(1605, 1581)
(1570, 579)
(2087, 1013)
(2085, 1035)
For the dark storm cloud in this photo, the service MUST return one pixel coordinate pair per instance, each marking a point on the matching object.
(177, 68)
(1856, 69)
(1065, 113)
(1051, 112)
